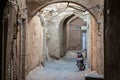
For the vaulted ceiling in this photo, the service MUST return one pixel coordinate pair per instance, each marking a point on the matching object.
(93, 6)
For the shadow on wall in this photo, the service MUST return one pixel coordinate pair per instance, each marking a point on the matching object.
(2, 7)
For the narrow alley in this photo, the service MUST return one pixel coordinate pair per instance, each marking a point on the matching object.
(45, 39)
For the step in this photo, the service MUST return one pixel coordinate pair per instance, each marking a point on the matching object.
(94, 77)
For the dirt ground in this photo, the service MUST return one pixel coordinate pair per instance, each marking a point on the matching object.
(63, 69)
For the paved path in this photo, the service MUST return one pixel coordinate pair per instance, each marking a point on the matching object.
(64, 69)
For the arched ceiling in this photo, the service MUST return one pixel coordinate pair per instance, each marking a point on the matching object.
(93, 6)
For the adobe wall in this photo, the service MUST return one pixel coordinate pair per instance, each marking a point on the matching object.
(93, 28)
(34, 45)
(14, 22)
(74, 34)
(53, 39)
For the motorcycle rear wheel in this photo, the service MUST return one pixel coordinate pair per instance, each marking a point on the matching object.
(82, 67)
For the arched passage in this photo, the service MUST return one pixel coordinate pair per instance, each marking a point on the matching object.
(64, 28)
(90, 42)
(112, 46)
(34, 33)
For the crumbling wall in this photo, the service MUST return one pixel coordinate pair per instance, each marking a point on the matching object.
(13, 42)
(10, 45)
(100, 40)
(34, 47)
(53, 39)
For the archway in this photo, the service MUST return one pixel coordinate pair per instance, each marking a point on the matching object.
(93, 20)
(111, 14)
(92, 6)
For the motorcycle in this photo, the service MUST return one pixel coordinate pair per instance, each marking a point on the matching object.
(80, 64)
